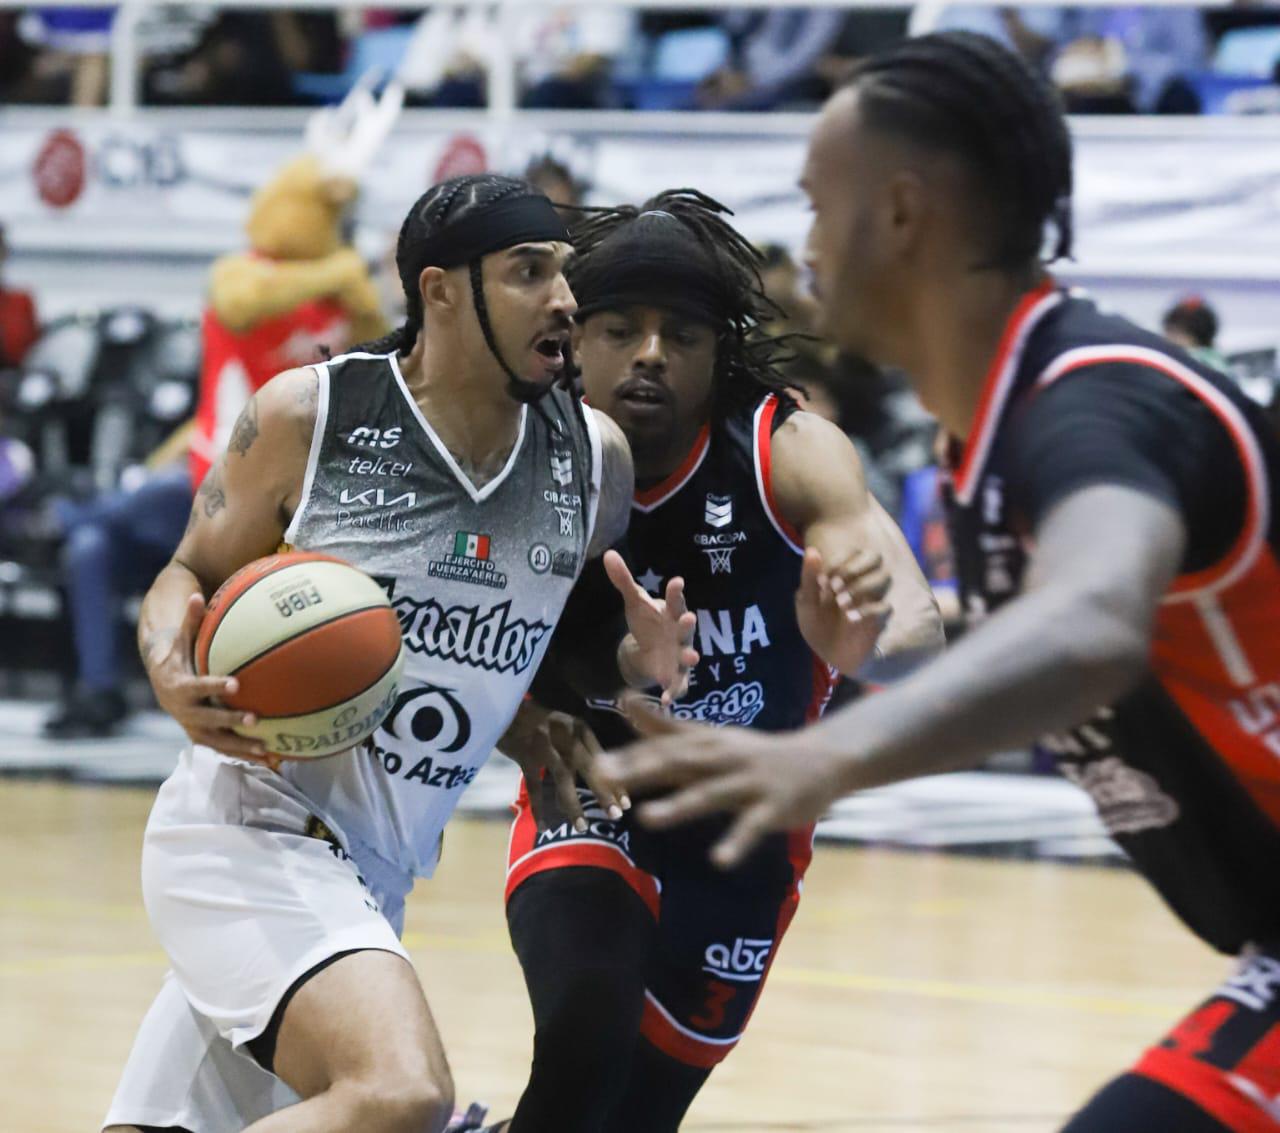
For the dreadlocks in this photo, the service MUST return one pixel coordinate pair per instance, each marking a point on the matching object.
(967, 94)
(678, 250)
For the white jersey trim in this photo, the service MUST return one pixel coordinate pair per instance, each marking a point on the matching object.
(597, 469)
(758, 440)
(313, 453)
(478, 495)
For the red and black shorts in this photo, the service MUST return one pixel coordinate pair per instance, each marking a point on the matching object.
(717, 931)
(1225, 1055)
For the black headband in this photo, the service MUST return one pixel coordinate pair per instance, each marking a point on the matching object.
(526, 219)
(650, 263)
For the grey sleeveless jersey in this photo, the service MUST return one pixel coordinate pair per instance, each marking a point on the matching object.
(478, 578)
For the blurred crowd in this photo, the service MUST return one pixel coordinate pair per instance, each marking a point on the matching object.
(105, 420)
(1120, 59)
(108, 419)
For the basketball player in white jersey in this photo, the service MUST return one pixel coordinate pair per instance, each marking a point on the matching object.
(277, 888)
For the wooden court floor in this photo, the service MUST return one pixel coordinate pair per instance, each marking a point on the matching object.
(915, 992)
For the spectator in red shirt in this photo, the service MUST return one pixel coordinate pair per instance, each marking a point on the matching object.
(18, 324)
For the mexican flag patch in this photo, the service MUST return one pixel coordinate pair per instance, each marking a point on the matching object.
(469, 545)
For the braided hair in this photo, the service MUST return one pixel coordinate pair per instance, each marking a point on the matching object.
(749, 363)
(967, 94)
(441, 204)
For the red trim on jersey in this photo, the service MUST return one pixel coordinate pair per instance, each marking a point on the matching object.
(1206, 1086)
(1215, 648)
(524, 860)
(650, 498)
(998, 383)
(662, 1033)
(1252, 533)
(824, 684)
(764, 462)
(1240, 722)
(686, 1047)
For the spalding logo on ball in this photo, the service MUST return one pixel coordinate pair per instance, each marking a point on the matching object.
(315, 646)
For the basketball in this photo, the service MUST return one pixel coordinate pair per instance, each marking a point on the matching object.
(315, 647)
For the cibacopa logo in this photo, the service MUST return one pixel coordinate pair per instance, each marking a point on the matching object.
(719, 511)
(562, 468)
(720, 559)
(743, 961)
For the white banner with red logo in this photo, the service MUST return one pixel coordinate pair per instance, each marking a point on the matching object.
(1154, 200)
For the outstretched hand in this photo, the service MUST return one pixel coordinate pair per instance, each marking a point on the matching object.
(658, 650)
(841, 608)
(559, 748)
(772, 781)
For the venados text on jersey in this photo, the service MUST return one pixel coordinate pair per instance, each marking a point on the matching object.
(483, 638)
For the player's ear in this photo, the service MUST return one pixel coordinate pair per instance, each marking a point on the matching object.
(905, 209)
(435, 287)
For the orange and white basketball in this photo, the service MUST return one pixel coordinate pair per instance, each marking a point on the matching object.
(315, 647)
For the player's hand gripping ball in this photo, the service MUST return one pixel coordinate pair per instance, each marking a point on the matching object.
(314, 646)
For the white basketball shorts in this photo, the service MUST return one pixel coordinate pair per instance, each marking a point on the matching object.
(247, 891)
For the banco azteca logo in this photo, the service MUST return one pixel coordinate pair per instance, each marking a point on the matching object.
(432, 715)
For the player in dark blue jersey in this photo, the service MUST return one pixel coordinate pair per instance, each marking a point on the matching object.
(1117, 542)
(643, 963)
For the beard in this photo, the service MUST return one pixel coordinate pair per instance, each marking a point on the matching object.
(527, 392)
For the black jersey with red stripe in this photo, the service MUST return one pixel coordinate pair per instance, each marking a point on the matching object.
(1185, 770)
(713, 522)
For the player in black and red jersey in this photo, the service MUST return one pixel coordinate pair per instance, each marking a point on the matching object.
(644, 962)
(1117, 542)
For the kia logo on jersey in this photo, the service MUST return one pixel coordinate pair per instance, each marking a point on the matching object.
(719, 511)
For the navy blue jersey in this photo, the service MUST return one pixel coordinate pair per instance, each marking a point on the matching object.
(713, 522)
(1185, 770)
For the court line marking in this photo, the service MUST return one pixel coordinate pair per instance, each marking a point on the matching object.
(1002, 995)
(941, 1121)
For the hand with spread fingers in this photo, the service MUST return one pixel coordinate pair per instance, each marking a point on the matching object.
(658, 650)
(561, 748)
(701, 770)
(840, 608)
